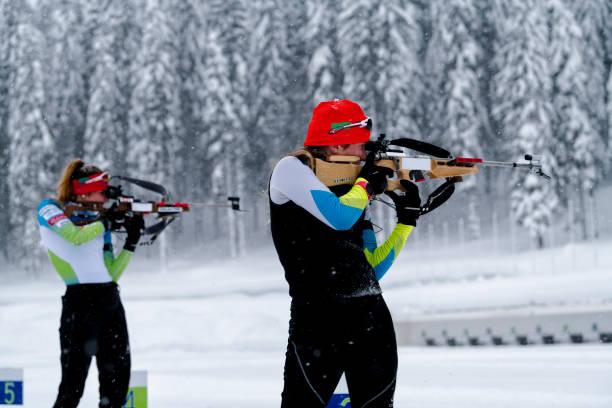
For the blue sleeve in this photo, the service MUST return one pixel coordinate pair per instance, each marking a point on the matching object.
(294, 181)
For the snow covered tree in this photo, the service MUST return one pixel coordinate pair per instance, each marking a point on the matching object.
(379, 47)
(115, 40)
(32, 147)
(297, 89)
(187, 21)
(233, 21)
(216, 113)
(595, 46)
(359, 32)
(154, 114)
(207, 118)
(324, 66)
(154, 118)
(7, 30)
(67, 71)
(454, 62)
(577, 145)
(522, 89)
(268, 117)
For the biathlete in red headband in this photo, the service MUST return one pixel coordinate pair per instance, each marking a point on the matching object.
(93, 320)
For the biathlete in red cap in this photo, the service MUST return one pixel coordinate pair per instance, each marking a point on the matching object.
(93, 320)
(326, 244)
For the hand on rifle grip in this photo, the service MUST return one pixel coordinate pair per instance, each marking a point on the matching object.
(111, 219)
(134, 226)
(407, 205)
(375, 175)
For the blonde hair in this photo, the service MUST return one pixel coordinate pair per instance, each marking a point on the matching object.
(73, 170)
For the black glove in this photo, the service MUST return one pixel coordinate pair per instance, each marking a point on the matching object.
(375, 175)
(134, 226)
(407, 205)
(112, 219)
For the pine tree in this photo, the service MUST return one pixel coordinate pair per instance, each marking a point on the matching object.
(233, 22)
(380, 46)
(7, 29)
(154, 118)
(486, 37)
(297, 90)
(114, 38)
(66, 76)
(216, 113)
(606, 34)
(454, 61)
(577, 143)
(188, 22)
(154, 114)
(363, 38)
(32, 146)
(593, 18)
(324, 67)
(269, 116)
(522, 89)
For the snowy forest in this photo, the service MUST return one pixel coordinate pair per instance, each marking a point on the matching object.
(204, 96)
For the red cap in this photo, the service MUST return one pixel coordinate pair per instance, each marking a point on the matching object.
(332, 114)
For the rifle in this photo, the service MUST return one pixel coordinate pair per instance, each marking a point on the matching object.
(130, 206)
(437, 163)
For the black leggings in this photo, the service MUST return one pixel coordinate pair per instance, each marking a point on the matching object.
(93, 324)
(354, 336)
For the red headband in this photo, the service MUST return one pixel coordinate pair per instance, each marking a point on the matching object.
(90, 184)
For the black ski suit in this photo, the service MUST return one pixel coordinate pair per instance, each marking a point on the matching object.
(93, 324)
(93, 319)
(339, 320)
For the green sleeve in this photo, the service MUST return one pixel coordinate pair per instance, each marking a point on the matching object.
(383, 256)
(116, 266)
(80, 235)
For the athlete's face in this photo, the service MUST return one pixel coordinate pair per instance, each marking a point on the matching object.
(97, 197)
(355, 149)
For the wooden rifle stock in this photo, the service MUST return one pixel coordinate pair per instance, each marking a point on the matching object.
(338, 170)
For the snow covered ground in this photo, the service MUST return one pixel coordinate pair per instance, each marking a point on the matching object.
(214, 335)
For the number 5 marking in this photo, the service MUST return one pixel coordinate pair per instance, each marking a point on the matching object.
(9, 393)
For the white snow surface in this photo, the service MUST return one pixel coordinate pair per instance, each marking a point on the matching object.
(214, 334)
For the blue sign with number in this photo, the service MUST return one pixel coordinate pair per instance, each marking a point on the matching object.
(339, 401)
(11, 392)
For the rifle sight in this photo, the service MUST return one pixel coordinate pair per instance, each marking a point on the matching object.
(114, 192)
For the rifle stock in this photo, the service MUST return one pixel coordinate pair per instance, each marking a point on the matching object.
(338, 170)
(162, 209)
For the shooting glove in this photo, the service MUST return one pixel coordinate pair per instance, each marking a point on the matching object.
(375, 175)
(112, 219)
(134, 226)
(408, 205)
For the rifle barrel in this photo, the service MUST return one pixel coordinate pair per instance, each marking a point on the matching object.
(204, 205)
(533, 167)
(511, 164)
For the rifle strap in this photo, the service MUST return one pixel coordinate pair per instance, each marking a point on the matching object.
(439, 196)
